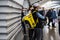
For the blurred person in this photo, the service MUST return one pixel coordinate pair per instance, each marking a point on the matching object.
(54, 17)
(31, 9)
(59, 21)
(38, 30)
(51, 14)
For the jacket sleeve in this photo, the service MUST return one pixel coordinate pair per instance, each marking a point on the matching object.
(40, 16)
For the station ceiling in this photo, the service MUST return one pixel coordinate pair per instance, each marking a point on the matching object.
(44, 3)
(51, 4)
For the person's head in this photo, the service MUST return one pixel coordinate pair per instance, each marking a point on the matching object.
(49, 10)
(53, 8)
(36, 6)
(31, 8)
(39, 8)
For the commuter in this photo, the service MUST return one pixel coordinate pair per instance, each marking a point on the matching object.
(59, 13)
(59, 21)
(51, 14)
(43, 10)
(38, 30)
(31, 9)
(23, 26)
(54, 17)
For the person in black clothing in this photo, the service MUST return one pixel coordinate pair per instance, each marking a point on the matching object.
(23, 25)
(31, 9)
(59, 21)
(38, 30)
(49, 16)
(59, 13)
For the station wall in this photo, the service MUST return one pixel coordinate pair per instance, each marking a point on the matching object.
(10, 20)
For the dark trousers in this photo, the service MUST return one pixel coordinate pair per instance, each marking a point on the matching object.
(24, 29)
(53, 24)
(38, 34)
(31, 34)
(59, 28)
(50, 20)
(38, 31)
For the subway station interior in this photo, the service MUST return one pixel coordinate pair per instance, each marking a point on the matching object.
(14, 17)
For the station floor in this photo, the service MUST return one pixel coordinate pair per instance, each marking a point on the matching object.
(49, 34)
